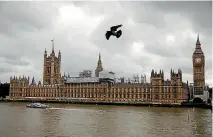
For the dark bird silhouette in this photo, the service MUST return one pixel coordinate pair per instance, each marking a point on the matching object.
(113, 31)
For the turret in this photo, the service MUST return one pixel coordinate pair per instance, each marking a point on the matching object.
(162, 74)
(180, 74)
(157, 77)
(152, 73)
(171, 72)
(33, 81)
(45, 54)
(59, 55)
(176, 76)
(53, 52)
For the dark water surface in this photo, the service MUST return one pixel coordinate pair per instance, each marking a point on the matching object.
(72, 120)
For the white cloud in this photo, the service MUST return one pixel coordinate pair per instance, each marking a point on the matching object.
(74, 17)
(170, 39)
(137, 49)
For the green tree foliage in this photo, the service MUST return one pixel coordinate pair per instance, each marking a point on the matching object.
(4, 90)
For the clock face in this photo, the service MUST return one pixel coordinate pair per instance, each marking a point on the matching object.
(198, 60)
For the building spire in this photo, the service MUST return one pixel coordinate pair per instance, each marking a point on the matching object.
(99, 66)
(99, 56)
(198, 40)
(198, 49)
(45, 53)
(33, 81)
(59, 55)
(99, 61)
(53, 45)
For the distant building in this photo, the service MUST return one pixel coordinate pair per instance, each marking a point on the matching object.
(105, 76)
(143, 78)
(186, 92)
(122, 79)
(85, 74)
(164, 91)
(135, 79)
(119, 80)
(82, 80)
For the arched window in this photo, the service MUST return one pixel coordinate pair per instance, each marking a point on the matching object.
(55, 69)
(46, 69)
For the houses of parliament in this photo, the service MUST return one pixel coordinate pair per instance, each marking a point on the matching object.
(103, 88)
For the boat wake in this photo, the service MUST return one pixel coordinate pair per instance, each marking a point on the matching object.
(63, 108)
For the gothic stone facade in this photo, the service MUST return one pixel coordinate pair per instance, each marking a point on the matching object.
(157, 91)
(52, 68)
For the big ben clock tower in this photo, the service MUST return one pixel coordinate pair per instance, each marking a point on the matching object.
(198, 60)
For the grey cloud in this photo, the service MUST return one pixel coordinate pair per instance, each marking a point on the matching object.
(199, 12)
(30, 33)
(9, 64)
(19, 62)
(167, 63)
(19, 32)
(27, 16)
(15, 48)
(208, 64)
(8, 56)
(4, 69)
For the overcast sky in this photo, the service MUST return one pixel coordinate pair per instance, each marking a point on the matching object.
(156, 35)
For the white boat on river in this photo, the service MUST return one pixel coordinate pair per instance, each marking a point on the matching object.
(37, 105)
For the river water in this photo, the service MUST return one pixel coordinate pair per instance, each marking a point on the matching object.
(75, 120)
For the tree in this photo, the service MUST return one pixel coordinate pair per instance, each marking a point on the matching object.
(4, 90)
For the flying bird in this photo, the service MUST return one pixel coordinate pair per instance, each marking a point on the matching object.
(113, 31)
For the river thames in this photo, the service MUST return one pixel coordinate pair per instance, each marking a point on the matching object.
(75, 120)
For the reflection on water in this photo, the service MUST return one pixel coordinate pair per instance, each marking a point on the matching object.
(49, 122)
(72, 120)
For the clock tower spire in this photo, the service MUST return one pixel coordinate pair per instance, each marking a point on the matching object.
(198, 60)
